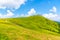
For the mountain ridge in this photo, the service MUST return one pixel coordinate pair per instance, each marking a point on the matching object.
(29, 28)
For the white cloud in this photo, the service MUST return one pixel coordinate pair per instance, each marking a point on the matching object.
(9, 14)
(54, 9)
(52, 16)
(22, 15)
(11, 4)
(29, 13)
(32, 12)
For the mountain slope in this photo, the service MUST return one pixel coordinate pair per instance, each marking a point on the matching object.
(36, 23)
(28, 28)
(59, 26)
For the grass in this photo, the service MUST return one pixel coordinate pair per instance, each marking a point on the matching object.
(29, 28)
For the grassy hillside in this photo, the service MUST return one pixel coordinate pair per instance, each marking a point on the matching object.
(59, 26)
(29, 28)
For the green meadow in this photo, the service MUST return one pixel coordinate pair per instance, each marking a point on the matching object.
(29, 28)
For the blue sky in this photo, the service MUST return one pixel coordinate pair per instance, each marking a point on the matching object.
(17, 8)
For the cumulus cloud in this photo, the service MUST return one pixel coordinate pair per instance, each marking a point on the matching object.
(23, 15)
(32, 12)
(9, 14)
(29, 13)
(54, 9)
(52, 16)
(11, 4)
